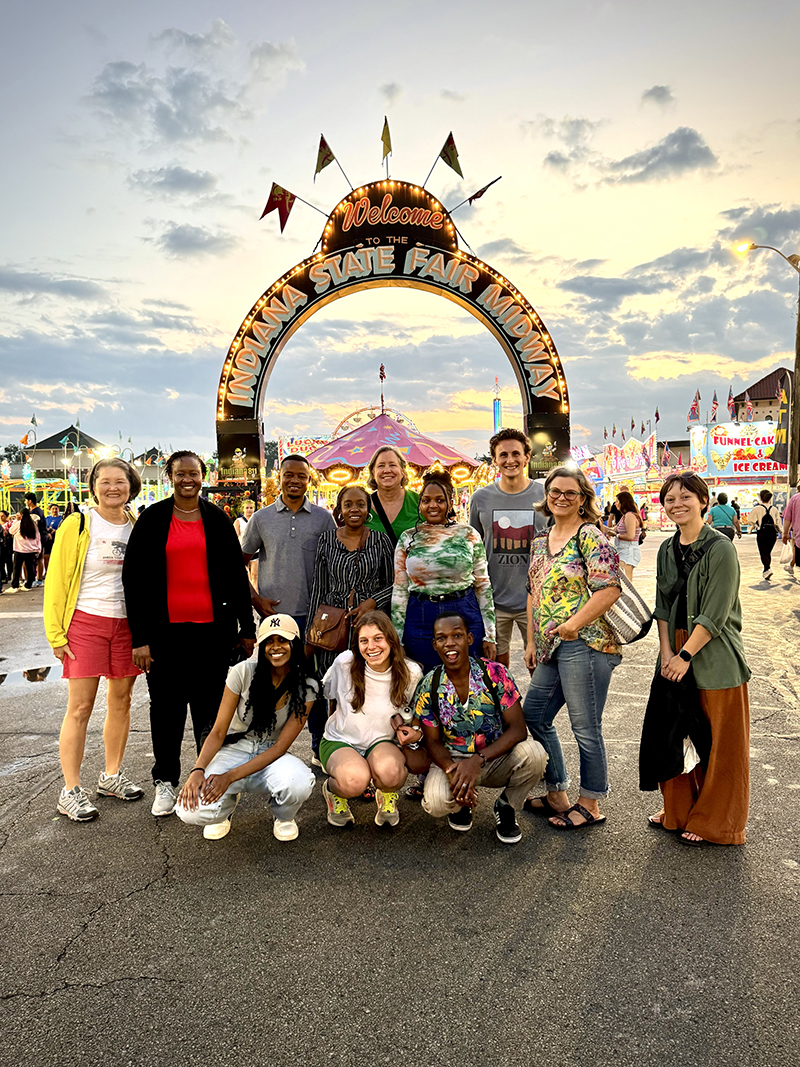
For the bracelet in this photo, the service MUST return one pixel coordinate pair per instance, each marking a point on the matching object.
(191, 772)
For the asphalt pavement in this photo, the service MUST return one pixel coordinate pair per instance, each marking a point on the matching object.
(133, 941)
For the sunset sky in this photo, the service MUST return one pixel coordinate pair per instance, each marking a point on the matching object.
(638, 143)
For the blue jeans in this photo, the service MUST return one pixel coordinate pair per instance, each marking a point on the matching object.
(418, 629)
(578, 676)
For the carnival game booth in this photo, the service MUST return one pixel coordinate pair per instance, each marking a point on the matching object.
(635, 465)
(344, 460)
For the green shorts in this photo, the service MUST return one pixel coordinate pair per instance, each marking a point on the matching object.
(327, 749)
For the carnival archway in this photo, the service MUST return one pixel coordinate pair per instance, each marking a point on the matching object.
(388, 233)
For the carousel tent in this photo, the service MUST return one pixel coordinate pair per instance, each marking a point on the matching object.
(356, 448)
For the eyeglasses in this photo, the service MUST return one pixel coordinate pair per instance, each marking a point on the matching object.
(571, 494)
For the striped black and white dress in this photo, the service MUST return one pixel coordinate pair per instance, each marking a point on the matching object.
(369, 571)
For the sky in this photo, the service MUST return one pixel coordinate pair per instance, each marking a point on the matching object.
(638, 143)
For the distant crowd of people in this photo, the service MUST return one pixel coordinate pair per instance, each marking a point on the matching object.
(386, 629)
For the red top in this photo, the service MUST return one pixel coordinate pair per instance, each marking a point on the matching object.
(188, 589)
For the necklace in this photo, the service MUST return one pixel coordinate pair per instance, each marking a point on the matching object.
(185, 511)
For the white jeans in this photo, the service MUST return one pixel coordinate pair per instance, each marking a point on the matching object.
(287, 783)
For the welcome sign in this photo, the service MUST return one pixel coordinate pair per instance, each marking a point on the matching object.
(392, 233)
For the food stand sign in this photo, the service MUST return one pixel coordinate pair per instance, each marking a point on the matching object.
(730, 451)
(392, 233)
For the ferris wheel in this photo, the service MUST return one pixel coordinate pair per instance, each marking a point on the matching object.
(363, 415)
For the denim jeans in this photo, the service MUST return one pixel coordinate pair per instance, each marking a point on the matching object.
(418, 630)
(287, 784)
(578, 676)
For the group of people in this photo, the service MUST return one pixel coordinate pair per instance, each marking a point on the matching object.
(421, 684)
(26, 541)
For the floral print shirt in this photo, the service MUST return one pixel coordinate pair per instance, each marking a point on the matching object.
(561, 584)
(441, 559)
(469, 729)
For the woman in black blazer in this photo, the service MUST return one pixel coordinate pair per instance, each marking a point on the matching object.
(188, 602)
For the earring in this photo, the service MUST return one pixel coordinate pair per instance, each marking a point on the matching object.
(581, 510)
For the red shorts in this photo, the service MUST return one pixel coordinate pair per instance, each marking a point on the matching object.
(101, 647)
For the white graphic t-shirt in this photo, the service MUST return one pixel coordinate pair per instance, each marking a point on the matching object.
(101, 591)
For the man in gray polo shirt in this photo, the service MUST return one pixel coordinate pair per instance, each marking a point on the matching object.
(284, 536)
(503, 515)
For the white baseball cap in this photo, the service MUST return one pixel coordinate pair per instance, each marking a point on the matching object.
(282, 625)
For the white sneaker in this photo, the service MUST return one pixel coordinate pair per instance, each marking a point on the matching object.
(165, 799)
(217, 830)
(387, 813)
(11, 589)
(767, 574)
(339, 813)
(118, 785)
(75, 804)
(315, 760)
(285, 829)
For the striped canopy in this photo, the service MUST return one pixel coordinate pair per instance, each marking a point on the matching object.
(358, 447)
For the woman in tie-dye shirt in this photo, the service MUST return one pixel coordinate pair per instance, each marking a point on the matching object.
(441, 564)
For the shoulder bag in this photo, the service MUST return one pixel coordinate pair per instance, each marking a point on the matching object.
(330, 627)
(629, 617)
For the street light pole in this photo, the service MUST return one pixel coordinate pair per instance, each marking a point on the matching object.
(794, 410)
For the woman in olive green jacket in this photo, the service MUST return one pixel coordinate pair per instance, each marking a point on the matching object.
(701, 628)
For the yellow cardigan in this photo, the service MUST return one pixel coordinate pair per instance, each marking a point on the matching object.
(64, 573)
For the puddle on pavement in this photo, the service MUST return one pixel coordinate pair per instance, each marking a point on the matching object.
(33, 674)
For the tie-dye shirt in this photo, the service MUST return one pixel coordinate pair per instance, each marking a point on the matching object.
(561, 584)
(469, 729)
(441, 559)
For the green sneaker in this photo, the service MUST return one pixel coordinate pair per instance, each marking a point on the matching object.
(339, 813)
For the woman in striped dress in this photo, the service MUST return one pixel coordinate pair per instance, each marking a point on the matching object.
(352, 557)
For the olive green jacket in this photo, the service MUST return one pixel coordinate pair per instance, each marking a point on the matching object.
(712, 601)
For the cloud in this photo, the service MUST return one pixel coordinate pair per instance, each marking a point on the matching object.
(182, 240)
(449, 94)
(658, 94)
(390, 92)
(172, 181)
(503, 248)
(270, 62)
(30, 283)
(608, 293)
(199, 101)
(769, 224)
(680, 152)
(199, 44)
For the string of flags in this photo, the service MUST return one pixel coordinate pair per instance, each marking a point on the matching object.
(283, 200)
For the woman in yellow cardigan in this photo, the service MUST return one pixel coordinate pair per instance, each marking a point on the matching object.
(86, 625)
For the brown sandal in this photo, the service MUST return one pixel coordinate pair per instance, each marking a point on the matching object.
(565, 823)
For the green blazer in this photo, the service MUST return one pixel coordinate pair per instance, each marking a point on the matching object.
(712, 601)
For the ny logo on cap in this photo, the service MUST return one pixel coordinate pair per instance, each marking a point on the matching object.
(274, 621)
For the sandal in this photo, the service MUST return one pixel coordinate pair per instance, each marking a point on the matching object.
(415, 792)
(565, 823)
(546, 808)
(655, 820)
(688, 841)
(369, 792)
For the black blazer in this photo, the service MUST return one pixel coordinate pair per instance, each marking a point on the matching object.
(144, 574)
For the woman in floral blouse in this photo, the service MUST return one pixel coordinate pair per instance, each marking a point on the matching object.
(573, 580)
(440, 564)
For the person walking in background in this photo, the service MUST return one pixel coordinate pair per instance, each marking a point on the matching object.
(240, 525)
(284, 536)
(573, 579)
(394, 507)
(700, 629)
(366, 687)
(441, 564)
(724, 518)
(791, 530)
(27, 543)
(188, 602)
(32, 504)
(626, 533)
(504, 515)
(765, 520)
(263, 709)
(53, 520)
(85, 623)
(6, 549)
(351, 559)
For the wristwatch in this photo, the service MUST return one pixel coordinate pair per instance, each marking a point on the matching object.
(686, 656)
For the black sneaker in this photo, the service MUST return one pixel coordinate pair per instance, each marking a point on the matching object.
(508, 830)
(461, 820)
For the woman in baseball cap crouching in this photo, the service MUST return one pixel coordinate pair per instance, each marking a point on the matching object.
(264, 707)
